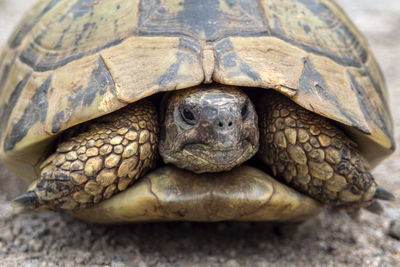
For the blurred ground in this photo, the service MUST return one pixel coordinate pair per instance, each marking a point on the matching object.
(331, 239)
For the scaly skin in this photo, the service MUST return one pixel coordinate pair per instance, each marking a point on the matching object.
(312, 155)
(97, 160)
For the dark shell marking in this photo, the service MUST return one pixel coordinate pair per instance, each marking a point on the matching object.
(206, 20)
(100, 61)
(100, 82)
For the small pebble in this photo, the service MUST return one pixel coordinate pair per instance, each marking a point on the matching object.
(3, 248)
(35, 245)
(82, 258)
(394, 229)
(117, 263)
(7, 235)
(23, 248)
(231, 263)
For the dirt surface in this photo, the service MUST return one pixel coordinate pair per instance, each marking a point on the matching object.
(331, 239)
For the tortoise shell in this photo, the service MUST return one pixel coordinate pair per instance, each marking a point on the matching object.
(71, 61)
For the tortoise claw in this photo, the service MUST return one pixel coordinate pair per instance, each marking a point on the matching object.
(383, 194)
(376, 208)
(25, 202)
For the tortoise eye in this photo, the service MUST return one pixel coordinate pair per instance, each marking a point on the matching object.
(244, 110)
(188, 116)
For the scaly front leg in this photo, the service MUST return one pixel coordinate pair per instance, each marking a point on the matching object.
(96, 160)
(314, 156)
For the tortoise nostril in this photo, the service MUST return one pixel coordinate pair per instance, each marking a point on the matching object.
(224, 126)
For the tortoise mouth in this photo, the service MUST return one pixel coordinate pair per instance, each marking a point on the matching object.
(205, 158)
(169, 194)
(228, 156)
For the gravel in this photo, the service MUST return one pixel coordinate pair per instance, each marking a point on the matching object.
(394, 229)
(331, 239)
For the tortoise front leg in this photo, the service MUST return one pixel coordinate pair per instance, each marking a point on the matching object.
(96, 160)
(314, 156)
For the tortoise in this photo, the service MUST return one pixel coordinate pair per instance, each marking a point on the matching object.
(126, 111)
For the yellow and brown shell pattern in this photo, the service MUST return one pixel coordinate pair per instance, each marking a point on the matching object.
(72, 61)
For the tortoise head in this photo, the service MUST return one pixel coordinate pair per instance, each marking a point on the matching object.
(208, 129)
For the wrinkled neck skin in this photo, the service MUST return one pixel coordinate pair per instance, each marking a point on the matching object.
(208, 128)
